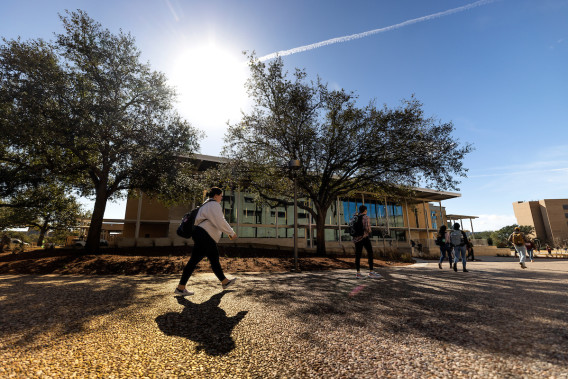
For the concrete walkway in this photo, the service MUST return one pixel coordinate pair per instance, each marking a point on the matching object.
(495, 321)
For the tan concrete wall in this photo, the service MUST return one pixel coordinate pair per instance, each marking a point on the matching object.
(150, 210)
(524, 213)
(548, 217)
(557, 218)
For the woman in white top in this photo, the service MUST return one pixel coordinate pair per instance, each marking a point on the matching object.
(210, 224)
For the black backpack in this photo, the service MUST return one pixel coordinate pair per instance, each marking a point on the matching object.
(187, 225)
(356, 226)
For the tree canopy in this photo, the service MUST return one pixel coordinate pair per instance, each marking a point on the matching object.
(85, 109)
(343, 148)
(501, 236)
(52, 209)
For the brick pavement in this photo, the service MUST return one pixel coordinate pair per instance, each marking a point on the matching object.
(420, 321)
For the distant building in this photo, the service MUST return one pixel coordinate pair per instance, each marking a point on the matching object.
(549, 217)
(414, 219)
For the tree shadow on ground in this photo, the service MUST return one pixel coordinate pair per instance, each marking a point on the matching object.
(505, 312)
(38, 307)
(205, 323)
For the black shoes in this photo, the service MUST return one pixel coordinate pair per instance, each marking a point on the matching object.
(455, 267)
(464, 270)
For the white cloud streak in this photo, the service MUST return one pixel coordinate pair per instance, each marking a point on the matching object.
(375, 31)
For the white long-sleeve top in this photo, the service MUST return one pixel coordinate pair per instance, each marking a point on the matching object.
(210, 217)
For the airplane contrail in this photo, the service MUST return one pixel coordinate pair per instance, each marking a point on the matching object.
(375, 31)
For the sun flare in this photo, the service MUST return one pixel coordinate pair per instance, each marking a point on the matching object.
(210, 85)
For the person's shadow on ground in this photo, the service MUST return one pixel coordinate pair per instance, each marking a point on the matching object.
(204, 323)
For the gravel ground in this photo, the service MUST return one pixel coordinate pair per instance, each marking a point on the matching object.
(497, 321)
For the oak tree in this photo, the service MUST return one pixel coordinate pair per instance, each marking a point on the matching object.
(87, 110)
(343, 148)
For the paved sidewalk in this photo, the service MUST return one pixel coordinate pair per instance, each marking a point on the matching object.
(495, 321)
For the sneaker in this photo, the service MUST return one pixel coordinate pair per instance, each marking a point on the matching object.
(374, 275)
(523, 265)
(231, 281)
(358, 275)
(185, 292)
(440, 265)
(455, 267)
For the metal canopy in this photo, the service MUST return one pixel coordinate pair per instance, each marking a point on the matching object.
(433, 195)
(460, 217)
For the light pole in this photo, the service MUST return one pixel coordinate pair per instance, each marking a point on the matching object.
(294, 166)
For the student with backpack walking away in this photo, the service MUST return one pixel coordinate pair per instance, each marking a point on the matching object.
(443, 240)
(518, 239)
(361, 231)
(458, 240)
(529, 245)
(210, 224)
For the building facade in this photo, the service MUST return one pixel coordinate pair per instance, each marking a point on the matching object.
(549, 217)
(397, 222)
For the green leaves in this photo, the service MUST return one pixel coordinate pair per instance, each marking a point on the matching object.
(343, 148)
(85, 109)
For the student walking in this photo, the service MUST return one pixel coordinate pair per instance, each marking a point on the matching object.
(518, 240)
(210, 224)
(458, 240)
(443, 240)
(362, 239)
(529, 245)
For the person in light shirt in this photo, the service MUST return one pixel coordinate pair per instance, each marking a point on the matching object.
(210, 224)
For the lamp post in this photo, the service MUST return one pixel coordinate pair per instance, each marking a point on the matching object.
(294, 166)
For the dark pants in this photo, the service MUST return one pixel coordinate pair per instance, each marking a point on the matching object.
(365, 242)
(446, 249)
(470, 254)
(204, 246)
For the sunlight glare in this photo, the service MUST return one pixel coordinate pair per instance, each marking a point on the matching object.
(210, 85)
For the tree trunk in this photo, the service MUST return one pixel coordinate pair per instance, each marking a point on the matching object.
(42, 232)
(94, 236)
(320, 232)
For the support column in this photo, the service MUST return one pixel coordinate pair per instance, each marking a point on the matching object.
(407, 221)
(138, 215)
(387, 214)
(427, 228)
(442, 221)
(236, 202)
(338, 221)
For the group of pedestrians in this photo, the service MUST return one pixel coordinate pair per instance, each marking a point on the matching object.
(455, 241)
(454, 245)
(210, 223)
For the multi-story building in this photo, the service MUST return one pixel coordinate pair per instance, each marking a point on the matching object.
(549, 217)
(397, 222)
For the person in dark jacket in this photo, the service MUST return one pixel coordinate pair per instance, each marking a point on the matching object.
(364, 240)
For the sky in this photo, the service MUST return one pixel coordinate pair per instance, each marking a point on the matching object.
(497, 69)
